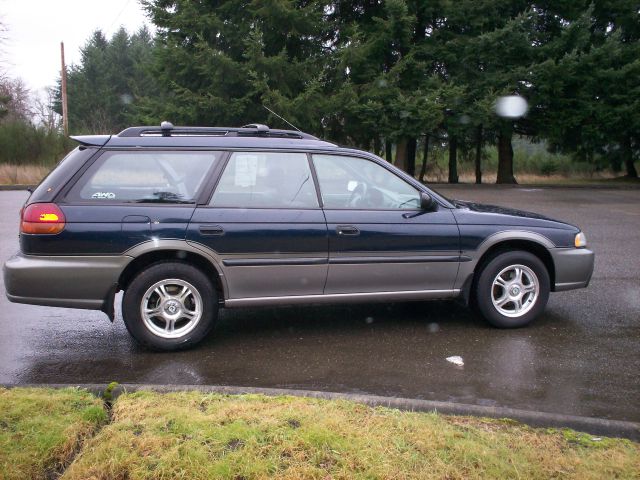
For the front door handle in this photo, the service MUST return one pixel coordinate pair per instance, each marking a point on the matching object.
(347, 230)
(211, 230)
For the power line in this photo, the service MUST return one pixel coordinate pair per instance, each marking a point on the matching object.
(118, 16)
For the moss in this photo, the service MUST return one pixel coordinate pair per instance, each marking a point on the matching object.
(107, 395)
(587, 440)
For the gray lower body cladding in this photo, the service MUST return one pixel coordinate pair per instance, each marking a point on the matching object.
(88, 282)
(63, 281)
(573, 267)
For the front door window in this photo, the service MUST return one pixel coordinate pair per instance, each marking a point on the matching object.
(357, 183)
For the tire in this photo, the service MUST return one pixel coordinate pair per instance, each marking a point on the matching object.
(170, 306)
(502, 299)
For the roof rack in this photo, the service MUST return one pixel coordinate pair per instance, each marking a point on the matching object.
(167, 129)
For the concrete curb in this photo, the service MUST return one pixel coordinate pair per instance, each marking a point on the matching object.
(595, 426)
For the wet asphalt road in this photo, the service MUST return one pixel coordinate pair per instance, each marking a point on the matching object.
(581, 358)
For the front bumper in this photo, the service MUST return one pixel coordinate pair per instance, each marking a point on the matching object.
(63, 281)
(573, 268)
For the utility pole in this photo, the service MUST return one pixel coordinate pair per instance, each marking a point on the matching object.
(65, 112)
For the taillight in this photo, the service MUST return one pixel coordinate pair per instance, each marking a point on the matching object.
(42, 218)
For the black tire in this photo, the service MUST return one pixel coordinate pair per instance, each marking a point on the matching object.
(153, 330)
(507, 264)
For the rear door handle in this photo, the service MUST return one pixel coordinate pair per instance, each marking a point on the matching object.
(211, 230)
(347, 230)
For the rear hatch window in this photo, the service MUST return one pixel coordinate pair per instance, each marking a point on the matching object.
(61, 174)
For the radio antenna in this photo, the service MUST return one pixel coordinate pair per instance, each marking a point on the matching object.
(284, 120)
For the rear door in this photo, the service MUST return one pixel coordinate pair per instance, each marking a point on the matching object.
(265, 226)
(379, 239)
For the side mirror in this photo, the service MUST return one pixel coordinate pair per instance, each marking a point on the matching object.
(426, 202)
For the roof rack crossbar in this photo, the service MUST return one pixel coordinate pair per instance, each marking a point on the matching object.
(252, 130)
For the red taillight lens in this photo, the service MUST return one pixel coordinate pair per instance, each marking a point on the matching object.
(42, 218)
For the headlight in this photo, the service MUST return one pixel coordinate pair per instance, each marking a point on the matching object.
(581, 240)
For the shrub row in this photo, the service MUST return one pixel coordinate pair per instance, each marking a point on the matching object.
(22, 143)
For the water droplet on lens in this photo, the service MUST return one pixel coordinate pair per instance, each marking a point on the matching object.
(512, 106)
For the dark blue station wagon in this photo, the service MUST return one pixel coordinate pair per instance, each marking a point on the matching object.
(185, 220)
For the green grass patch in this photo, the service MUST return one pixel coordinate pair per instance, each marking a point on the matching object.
(40, 429)
(201, 436)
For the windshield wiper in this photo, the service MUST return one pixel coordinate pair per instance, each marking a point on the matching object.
(162, 200)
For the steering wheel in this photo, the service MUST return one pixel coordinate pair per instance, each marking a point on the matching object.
(358, 196)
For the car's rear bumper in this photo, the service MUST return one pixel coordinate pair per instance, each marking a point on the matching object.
(573, 268)
(63, 281)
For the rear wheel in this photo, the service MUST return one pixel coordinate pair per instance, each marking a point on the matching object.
(170, 306)
(512, 289)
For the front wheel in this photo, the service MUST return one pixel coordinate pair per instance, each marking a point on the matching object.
(512, 289)
(170, 306)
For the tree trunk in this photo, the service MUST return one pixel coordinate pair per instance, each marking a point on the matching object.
(627, 153)
(401, 153)
(388, 150)
(423, 170)
(412, 146)
(479, 155)
(453, 160)
(505, 157)
(376, 144)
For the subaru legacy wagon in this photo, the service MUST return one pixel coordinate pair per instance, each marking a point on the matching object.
(186, 220)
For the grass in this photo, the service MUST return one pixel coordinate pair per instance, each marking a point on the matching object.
(605, 178)
(22, 174)
(40, 430)
(201, 436)
(467, 175)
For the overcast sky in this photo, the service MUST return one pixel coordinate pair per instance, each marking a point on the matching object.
(35, 28)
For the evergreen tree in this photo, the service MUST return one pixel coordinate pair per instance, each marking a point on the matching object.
(589, 89)
(222, 60)
(104, 88)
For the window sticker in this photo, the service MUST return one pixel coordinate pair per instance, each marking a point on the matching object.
(104, 195)
(246, 170)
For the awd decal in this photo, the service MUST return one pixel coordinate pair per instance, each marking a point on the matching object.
(104, 195)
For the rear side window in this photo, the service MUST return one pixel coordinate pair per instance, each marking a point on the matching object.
(153, 176)
(266, 180)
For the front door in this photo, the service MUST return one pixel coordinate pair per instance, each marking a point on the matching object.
(265, 226)
(379, 239)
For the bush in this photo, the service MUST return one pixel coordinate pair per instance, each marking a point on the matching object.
(548, 167)
(22, 143)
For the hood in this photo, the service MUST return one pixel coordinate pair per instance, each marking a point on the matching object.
(481, 207)
(478, 213)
